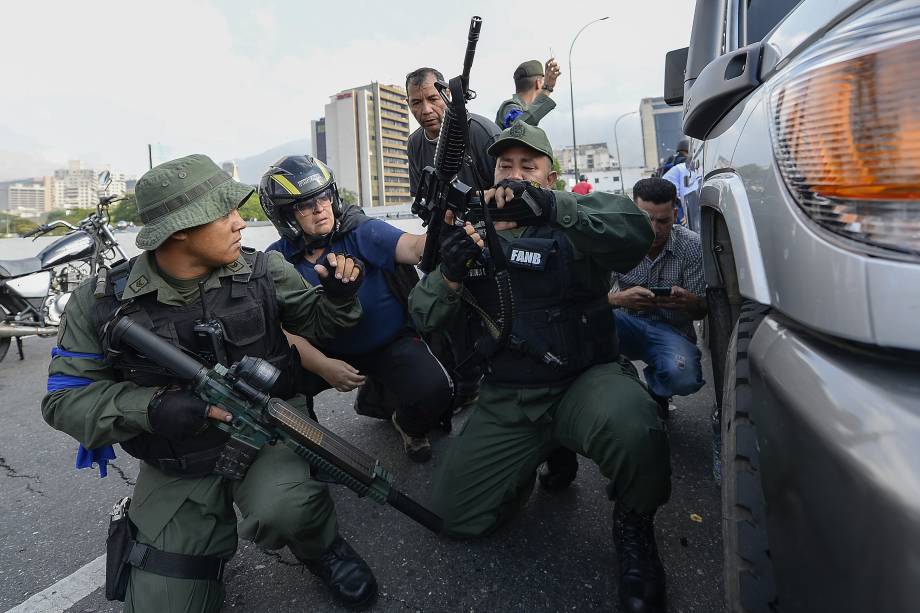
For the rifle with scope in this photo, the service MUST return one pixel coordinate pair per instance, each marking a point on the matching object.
(259, 419)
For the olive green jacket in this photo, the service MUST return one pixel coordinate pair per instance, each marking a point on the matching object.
(100, 410)
(530, 113)
(608, 233)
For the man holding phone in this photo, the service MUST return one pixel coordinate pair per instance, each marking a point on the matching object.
(656, 303)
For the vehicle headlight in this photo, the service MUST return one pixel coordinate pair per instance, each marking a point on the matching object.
(846, 129)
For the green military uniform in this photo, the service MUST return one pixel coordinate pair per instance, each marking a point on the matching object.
(514, 109)
(279, 502)
(605, 414)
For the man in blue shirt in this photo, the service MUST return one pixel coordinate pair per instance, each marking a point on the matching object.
(300, 197)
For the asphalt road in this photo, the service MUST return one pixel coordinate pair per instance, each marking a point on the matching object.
(558, 555)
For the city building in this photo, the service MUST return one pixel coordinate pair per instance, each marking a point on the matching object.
(661, 129)
(366, 135)
(30, 197)
(75, 187)
(318, 139)
(591, 157)
(609, 180)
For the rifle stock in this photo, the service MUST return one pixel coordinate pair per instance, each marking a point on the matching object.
(259, 420)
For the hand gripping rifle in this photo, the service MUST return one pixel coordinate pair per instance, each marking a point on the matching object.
(440, 191)
(439, 188)
(259, 419)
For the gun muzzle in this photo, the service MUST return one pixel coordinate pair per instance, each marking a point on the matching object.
(129, 332)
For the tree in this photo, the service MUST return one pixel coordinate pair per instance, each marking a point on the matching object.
(125, 210)
(13, 224)
(560, 183)
(348, 197)
(251, 209)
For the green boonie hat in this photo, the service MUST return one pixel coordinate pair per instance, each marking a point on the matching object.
(522, 133)
(530, 68)
(181, 194)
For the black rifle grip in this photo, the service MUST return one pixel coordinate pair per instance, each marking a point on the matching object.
(410, 508)
(430, 256)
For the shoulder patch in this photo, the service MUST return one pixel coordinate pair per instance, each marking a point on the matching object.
(140, 283)
(517, 130)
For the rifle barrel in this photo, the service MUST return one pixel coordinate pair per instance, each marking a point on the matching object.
(471, 40)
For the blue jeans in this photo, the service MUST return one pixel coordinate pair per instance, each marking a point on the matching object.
(673, 361)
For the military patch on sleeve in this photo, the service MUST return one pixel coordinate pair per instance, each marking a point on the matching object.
(517, 130)
(140, 283)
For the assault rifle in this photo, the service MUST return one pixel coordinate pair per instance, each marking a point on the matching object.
(439, 189)
(259, 419)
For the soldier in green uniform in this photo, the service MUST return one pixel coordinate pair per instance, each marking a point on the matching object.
(531, 102)
(559, 380)
(186, 527)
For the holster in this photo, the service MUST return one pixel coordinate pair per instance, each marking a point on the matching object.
(118, 546)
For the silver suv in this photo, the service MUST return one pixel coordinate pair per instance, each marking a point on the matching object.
(806, 125)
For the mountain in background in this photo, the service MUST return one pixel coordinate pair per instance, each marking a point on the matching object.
(253, 167)
(18, 165)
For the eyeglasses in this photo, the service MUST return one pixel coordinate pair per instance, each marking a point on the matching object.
(307, 205)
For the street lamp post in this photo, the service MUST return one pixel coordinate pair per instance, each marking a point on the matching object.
(572, 93)
(616, 142)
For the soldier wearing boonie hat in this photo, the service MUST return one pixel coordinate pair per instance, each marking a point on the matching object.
(186, 528)
(533, 85)
(559, 387)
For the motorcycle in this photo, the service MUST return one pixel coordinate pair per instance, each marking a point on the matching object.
(34, 291)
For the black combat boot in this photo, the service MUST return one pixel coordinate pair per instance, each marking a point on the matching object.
(559, 470)
(347, 576)
(642, 580)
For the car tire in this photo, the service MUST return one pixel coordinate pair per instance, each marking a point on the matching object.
(748, 580)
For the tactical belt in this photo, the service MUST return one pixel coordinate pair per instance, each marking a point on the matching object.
(178, 565)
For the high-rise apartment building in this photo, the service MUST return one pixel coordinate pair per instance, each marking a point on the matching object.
(30, 198)
(592, 157)
(661, 129)
(75, 187)
(318, 139)
(367, 133)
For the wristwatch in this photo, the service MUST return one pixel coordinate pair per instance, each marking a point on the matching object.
(547, 88)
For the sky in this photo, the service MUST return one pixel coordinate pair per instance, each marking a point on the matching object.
(99, 80)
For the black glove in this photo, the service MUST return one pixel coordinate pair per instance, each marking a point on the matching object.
(457, 249)
(177, 414)
(532, 205)
(335, 288)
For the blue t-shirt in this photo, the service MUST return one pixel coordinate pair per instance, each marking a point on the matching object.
(374, 243)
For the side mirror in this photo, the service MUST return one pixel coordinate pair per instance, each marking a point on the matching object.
(675, 68)
(720, 86)
(104, 179)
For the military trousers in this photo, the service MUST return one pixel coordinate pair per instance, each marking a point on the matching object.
(605, 415)
(280, 505)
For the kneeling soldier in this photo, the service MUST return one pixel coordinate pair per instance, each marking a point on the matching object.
(186, 527)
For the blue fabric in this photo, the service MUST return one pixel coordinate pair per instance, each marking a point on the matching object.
(63, 382)
(101, 457)
(674, 366)
(374, 243)
(85, 457)
(57, 352)
(510, 116)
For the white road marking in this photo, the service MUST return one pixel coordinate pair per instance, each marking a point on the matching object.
(66, 592)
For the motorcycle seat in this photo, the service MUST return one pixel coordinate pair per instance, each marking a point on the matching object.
(17, 268)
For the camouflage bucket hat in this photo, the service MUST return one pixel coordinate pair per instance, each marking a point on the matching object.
(522, 133)
(182, 194)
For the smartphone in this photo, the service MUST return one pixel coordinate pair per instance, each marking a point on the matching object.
(661, 291)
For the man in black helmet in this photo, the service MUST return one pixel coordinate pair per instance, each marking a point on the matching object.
(300, 197)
